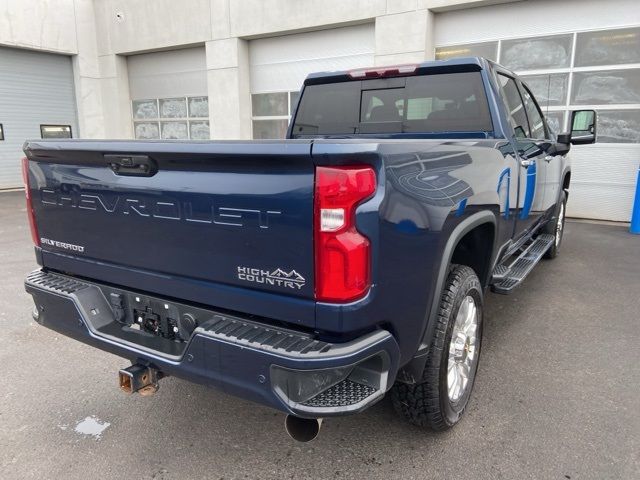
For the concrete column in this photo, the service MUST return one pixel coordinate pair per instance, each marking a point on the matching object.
(86, 72)
(114, 83)
(229, 88)
(405, 37)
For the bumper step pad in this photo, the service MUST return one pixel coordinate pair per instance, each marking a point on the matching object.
(269, 338)
(55, 283)
(507, 277)
(254, 360)
(345, 393)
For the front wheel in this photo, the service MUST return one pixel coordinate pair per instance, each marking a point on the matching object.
(439, 400)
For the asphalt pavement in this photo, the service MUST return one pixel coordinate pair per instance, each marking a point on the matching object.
(557, 394)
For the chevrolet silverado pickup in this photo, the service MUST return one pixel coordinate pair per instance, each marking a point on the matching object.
(317, 273)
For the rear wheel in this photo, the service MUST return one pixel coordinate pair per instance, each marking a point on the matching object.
(556, 228)
(439, 400)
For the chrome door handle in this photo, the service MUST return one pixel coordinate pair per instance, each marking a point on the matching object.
(527, 163)
(548, 158)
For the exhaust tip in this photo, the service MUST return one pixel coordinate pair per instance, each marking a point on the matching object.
(302, 429)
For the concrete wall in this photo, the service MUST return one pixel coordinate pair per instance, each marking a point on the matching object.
(98, 34)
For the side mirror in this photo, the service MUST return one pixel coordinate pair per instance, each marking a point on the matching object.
(583, 127)
(561, 146)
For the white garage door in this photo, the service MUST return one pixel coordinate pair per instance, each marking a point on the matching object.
(279, 65)
(169, 94)
(574, 55)
(36, 99)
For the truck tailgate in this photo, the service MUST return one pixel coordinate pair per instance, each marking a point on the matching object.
(227, 213)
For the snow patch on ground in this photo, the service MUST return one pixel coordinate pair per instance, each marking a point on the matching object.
(91, 426)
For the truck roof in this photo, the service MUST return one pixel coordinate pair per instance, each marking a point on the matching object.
(463, 64)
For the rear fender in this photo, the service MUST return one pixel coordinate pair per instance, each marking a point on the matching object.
(411, 372)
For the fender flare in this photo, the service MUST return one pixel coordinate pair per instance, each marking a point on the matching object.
(566, 171)
(561, 190)
(411, 372)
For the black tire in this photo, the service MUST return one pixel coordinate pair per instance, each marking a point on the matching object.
(552, 227)
(427, 403)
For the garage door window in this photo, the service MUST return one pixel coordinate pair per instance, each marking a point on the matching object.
(271, 113)
(597, 70)
(486, 49)
(550, 89)
(175, 118)
(55, 131)
(606, 87)
(608, 47)
(537, 52)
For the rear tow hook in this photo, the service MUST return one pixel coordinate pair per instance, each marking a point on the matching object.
(139, 378)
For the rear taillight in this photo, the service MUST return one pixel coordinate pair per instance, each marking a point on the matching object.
(27, 192)
(342, 253)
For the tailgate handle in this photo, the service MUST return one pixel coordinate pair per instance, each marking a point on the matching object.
(132, 165)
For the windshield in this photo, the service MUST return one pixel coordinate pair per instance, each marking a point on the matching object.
(445, 102)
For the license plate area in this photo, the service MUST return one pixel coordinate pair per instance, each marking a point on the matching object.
(154, 323)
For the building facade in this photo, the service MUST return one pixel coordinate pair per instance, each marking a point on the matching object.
(231, 69)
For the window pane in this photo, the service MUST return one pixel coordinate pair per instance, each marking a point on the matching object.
(263, 129)
(380, 105)
(428, 103)
(174, 130)
(611, 47)
(332, 108)
(600, 88)
(538, 52)
(549, 89)
(147, 130)
(487, 50)
(555, 121)
(55, 131)
(535, 116)
(293, 99)
(199, 130)
(145, 109)
(419, 108)
(199, 107)
(515, 106)
(173, 108)
(269, 104)
(622, 126)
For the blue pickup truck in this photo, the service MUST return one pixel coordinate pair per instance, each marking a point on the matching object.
(317, 273)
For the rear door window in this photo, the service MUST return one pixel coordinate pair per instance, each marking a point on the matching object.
(421, 104)
(535, 115)
(515, 106)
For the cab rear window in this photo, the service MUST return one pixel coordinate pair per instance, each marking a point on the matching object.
(454, 102)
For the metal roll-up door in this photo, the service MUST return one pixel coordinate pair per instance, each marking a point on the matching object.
(36, 89)
(585, 58)
(169, 94)
(279, 65)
